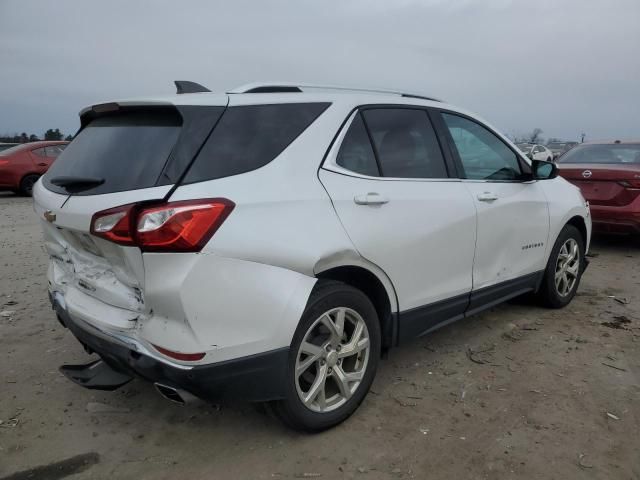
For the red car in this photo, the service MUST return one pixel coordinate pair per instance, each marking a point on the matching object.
(608, 175)
(22, 165)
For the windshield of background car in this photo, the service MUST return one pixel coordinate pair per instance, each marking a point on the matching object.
(615, 153)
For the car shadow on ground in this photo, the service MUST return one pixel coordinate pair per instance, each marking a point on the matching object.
(615, 243)
(141, 399)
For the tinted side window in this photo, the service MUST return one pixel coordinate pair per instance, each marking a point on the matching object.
(249, 137)
(483, 155)
(405, 142)
(356, 153)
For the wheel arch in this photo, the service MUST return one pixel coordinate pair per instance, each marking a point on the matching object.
(375, 285)
(578, 222)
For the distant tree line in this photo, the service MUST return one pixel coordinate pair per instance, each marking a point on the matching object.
(51, 134)
(535, 136)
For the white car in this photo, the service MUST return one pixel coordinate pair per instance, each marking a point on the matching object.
(270, 243)
(536, 152)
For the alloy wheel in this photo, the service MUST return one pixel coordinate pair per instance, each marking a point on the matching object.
(567, 267)
(332, 359)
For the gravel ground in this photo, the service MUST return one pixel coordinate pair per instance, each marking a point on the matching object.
(518, 392)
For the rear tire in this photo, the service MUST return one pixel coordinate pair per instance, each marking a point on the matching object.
(564, 269)
(334, 352)
(27, 183)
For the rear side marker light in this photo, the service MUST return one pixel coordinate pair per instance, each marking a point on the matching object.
(184, 226)
(186, 357)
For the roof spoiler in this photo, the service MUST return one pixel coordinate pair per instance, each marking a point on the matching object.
(185, 86)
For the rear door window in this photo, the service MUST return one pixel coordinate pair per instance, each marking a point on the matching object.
(127, 150)
(405, 143)
(249, 137)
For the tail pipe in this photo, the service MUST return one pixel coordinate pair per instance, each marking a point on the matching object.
(175, 395)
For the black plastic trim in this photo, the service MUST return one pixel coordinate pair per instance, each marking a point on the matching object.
(488, 297)
(442, 133)
(260, 377)
(274, 89)
(422, 320)
(96, 375)
(374, 147)
(418, 321)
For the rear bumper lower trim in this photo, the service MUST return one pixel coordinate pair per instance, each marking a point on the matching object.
(258, 377)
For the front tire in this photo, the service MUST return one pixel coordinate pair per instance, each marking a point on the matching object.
(333, 358)
(564, 269)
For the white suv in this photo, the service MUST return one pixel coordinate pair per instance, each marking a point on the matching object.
(270, 243)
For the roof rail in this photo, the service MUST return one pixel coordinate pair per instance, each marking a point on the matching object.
(185, 86)
(287, 87)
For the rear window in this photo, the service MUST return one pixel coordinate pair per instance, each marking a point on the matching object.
(6, 150)
(615, 153)
(127, 150)
(248, 137)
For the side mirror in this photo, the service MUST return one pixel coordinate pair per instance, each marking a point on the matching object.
(544, 170)
(530, 156)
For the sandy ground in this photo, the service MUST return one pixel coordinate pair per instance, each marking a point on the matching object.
(518, 392)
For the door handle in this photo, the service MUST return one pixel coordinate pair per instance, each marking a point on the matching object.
(42, 164)
(371, 198)
(487, 197)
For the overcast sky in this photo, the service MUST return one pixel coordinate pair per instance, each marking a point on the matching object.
(566, 66)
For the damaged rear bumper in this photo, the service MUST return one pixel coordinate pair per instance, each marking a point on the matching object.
(258, 377)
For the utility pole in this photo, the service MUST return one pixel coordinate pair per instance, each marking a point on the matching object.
(582, 135)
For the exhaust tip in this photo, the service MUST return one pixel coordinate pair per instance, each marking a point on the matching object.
(170, 393)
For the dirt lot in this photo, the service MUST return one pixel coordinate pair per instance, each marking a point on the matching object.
(519, 392)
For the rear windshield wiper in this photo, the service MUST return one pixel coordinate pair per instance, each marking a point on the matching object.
(76, 184)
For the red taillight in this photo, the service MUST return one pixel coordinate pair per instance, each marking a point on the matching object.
(187, 357)
(115, 224)
(180, 226)
(184, 226)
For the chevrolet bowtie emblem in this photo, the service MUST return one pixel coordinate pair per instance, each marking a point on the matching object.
(49, 216)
